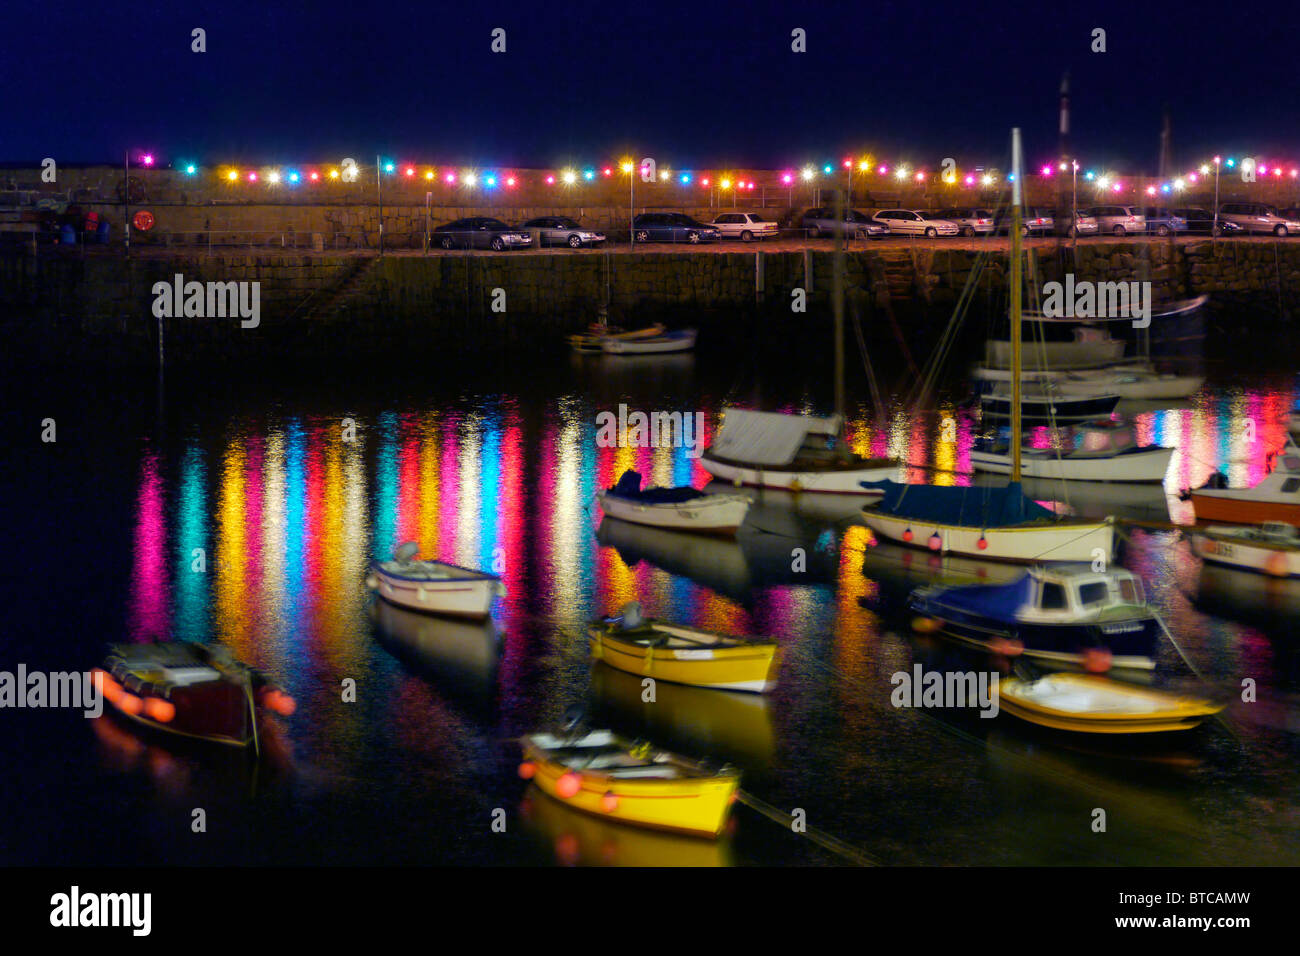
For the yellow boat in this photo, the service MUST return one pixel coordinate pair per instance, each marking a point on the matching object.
(684, 655)
(608, 776)
(1099, 705)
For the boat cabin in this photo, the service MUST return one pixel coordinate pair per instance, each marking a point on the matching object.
(1076, 592)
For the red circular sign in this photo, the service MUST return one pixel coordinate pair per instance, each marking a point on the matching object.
(143, 220)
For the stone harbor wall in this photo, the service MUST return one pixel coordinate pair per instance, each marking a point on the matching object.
(103, 304)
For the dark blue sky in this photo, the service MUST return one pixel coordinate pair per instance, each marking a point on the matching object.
(694, 84)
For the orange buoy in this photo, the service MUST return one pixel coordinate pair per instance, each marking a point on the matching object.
(1096, 660)
(982, 543)
(527, 770)
(129, 704)
(935, 541)
(1277, 565)
(609, 802)
(160, 710)
(1006, 646)
(568, 785)
(280, 702)
(925, 625)
(907, 534)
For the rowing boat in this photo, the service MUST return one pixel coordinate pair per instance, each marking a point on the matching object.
(434, 586)
(681, 340)
(684, 655)
(1271, 548)
(1098, 705)
(608, 776)
(681, 509)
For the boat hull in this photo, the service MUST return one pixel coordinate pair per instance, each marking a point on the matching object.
(671, 342)
(1066, 541)
(1137, 466)
(1210, 506)
(1045, 411)
(846, 481)
(710, 514)
(1151, 711)
(697, 806)
(454, 597)
(750, 668)
(1131, 643)
(1279, 562)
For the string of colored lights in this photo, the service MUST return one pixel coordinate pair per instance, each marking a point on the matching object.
(1259, 171)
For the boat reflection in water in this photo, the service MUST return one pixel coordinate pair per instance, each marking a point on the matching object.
(721, 726)
(461, 657)
(580, 839)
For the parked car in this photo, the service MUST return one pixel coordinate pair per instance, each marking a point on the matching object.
(970, 222)
(562, 231)
(822, 222)
(1201, 221)
(744, 226)
(1034, 221)
(915, 222)
(480, 232)
(1082, 224)
(1163, 221)
(1258, 217)
(1118, 220)
(671, 227)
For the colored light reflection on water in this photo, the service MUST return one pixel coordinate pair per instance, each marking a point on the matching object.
(289, 514)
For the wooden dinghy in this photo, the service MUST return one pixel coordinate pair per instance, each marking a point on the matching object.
(1271, 548)
(684, 655)
(434, 586)
(191, 690)
(597, 332)
(609, 776)
(1098, 705)
(681, 509)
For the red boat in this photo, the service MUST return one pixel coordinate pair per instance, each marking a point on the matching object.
(192, 690)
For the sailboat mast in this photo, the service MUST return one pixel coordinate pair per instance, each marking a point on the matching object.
(1015, 303)
(837, 302)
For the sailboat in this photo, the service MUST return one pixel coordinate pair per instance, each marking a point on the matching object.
(797, 452)
(990, 522)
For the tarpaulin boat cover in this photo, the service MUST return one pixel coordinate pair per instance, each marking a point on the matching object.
(767, 438)
(629, 486)
(998, 602)
(973, 507)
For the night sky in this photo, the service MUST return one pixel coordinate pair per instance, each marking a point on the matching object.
(690, 83)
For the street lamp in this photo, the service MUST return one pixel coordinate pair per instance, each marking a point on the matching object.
(1214, 229)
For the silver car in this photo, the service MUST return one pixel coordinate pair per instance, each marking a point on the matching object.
(562, 231)
(970, 222)
(1117, 220)
(1084, 225)
(744, 226)
(915, 222)
(1258, 217)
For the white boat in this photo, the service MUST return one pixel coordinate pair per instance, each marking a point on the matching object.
(1275, 499)
(680, 509)
(791, 452)
(682, 340)
(434, 586)
(1136, 381)
(1272, 548)
(1091, 347)
(1105, 453)
(987, 522)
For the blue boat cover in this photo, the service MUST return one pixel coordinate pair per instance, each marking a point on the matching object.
(973, 507)
(629, 486)
(996, 602)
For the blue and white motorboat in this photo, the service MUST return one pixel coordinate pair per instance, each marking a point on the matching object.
(1062, 616)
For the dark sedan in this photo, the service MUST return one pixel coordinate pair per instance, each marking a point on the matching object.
(672, 227)
(480, 232)
(1201, 222)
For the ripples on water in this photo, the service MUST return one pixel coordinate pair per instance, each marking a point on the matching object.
(286, 514)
